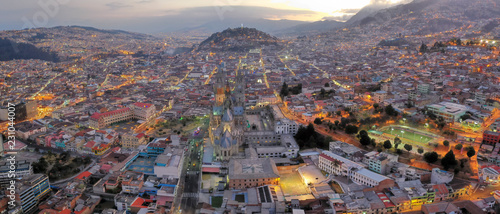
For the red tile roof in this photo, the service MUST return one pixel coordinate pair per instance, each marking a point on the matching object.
(385, 200)
(83, 175)
(90, 144)
(210, 169)
(440, 189)
(140, 135)
(106, 114)
(143, 105)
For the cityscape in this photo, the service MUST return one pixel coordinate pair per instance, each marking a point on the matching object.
(378, 107)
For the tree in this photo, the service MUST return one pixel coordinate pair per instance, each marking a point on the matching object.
(327, 85)
(338, 113)
(471, 152)
(431, 157)
(397, 140)
(446, 143)
(387, 144)
(458, 146)
(420, 150)
(337, 123)
(449, 160)
(375, 105)
(363, 133)
(365, 140)
(318, 121)
(408, 147)
(351, 129)
(284, 90)
(399, 151)
(87, 160)
(389, 110)
(423, 48)
(322, 92)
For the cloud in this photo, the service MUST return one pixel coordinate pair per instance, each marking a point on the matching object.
(144, 1)
(117, 5)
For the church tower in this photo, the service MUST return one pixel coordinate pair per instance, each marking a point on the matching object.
(226, 132)
(239, 95)
(219, 86)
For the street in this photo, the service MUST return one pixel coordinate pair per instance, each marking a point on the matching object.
(192, 178)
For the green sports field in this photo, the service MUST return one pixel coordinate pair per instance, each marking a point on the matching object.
(410, 135)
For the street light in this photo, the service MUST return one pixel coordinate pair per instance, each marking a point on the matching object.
(402, 133)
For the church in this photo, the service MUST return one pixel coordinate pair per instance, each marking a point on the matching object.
(226, 128)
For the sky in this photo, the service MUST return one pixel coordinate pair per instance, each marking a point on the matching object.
(162, 15)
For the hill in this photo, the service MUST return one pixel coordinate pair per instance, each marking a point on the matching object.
(10, 50)
(77, 41)
(423, 17)
(238, 39)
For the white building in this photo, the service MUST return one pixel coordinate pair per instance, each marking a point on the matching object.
(286, 126)
(439, 176)
(449, 111)
(335, 164)
(288, 148)
(169, 164)
(22, 168)
(491, 174)
(366, 177)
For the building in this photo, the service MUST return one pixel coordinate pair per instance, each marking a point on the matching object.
(138, 111)
(22, 169)
(337, 165)
(25, 129)
(123, 201)
(378, 162)
(423, 88)
(31, 109)
(490, 174)
(133, 140)
(366, 177)
(288, 148)
(450, 112)
(170, 163)
(31, 191)
(143, 111)
(491, 138)
(439, 176)
(227, 117)
(379, 96)
(131, 181)
(101, 120)
(286, 126)
(253, 172)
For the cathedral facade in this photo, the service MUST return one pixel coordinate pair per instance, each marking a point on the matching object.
(228, 115)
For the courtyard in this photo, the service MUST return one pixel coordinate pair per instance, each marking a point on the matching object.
(292, 185)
